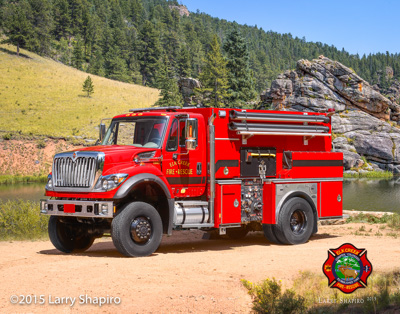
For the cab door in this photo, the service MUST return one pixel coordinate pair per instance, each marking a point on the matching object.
(185, 170)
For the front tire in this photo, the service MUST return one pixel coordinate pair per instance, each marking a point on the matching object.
(296, 222)
(137, 230)
(69, 236)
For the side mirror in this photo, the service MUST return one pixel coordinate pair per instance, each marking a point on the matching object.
(102, 131)
(191, 134)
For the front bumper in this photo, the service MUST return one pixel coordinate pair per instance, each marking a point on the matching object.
(74, 208)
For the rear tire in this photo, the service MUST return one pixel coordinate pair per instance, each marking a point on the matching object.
(137, 230)
(269, 233)
(69, 236)
(296, 222)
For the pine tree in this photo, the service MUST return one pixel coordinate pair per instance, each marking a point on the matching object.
(88, 86)
(170, 95)
(184, 64)
(16, 24)
(214, 78)
(149, 51)
(240, 78)
(42, 25)
(116, 67)
(62, 19)
(77, 54)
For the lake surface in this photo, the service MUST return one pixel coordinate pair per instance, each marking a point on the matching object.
(372, 194)
(358, 194)
(24, 191)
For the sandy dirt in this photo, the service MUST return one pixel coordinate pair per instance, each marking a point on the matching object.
(187, 274)
(30, 157)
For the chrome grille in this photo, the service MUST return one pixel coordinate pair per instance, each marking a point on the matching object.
(78, 173)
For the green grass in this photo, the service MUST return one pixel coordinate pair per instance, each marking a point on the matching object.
(310, 294)
(393, 221)
(39, 96)
(9, 179)
(370, 174)
(21, 220)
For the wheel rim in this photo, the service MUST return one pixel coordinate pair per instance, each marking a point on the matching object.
(141, 230)
(298, 222)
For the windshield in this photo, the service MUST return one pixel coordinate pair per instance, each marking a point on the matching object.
(139, 132)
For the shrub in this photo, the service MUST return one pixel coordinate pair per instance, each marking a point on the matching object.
(21, 220)
(268, 298)
(7, 136)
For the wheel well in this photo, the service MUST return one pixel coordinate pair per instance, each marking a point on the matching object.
(153, 194)
(309, 201)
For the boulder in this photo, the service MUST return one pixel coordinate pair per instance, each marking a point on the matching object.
(322, 84)
(187, 86)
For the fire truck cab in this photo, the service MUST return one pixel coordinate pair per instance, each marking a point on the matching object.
(214, 169)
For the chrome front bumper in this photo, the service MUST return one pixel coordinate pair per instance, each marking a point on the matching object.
(73, 208)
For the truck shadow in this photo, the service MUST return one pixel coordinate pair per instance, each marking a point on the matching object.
(185, 242)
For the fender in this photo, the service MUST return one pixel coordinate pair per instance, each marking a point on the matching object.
(144, 177)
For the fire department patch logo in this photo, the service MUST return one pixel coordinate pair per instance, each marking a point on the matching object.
(347, 268)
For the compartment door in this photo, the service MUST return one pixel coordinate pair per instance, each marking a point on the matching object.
(229, 203)
(331, 197)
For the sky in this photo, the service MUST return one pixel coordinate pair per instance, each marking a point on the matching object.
(361, 27)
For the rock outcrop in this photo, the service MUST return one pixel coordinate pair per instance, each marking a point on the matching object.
(358, 134)
(321, 84)
(187, 86)
(365, 125)
(182, 9)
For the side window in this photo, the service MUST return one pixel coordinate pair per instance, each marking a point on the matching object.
(172, 143)
(182, 136)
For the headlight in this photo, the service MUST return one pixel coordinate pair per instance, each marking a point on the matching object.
(49, 185)
(110, 182)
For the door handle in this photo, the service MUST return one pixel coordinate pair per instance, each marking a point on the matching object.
(199, 168)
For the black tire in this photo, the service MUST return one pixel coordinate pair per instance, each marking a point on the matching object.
(69, 236)
(237, 233)
(269, 234)
(295, 222)
(137, 230)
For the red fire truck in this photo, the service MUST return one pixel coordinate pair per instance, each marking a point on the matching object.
(225, 170)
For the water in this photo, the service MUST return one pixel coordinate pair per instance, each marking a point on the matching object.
(358, 194)
(24, 191)
(372, 194)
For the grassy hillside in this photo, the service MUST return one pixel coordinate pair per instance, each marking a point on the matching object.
(39, 96)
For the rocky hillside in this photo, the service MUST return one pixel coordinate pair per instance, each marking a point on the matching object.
(365, 125)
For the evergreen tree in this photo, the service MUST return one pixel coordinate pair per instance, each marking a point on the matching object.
(42, 25)
(62, 19)
(16, 24)
(214, 78)
(78, 55)
(184, 62)
(117, 68)
(88, 86)
(240, 78)
(96, 63)
(170, 95)
(149, 51)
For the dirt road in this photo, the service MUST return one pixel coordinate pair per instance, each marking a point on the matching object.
(187, 274)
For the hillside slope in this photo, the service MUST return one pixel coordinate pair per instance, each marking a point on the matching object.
(39, 96)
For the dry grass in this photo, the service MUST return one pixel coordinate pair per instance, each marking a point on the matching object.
(39, 96)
